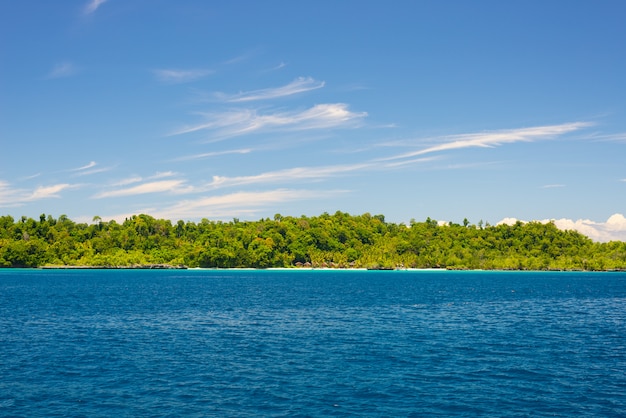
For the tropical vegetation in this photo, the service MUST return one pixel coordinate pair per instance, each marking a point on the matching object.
(339, 240)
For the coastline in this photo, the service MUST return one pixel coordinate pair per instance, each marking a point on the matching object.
(135, 267)
(291, 269)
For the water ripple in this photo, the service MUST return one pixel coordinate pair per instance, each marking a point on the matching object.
(284, 344)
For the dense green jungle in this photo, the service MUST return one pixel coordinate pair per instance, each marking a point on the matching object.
(339, 240)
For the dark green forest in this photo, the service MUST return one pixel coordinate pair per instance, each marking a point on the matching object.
(339, 240)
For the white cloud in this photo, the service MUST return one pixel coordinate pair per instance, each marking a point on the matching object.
(127, 181)
(12, 197)
(180, 76)
(552, 186)
(89, 169)
(415, 161)
(63, 69)
(85, 167)
(33, 176)
(509, 221)
(92, 6)
(164, 186)
(214, 154)
(299, 85)
(245, 121)
(237, 204)
(242, 57)
(617, 137)
(291, 175)
(279, 66)
(137, 179)
(287, 175)
(163, 174)
(45, 192)
(614, 229)
(617, 222)
(492, 139)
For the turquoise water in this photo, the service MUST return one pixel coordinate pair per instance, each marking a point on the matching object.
(102, 343)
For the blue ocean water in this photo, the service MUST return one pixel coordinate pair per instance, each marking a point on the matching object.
(102, 343)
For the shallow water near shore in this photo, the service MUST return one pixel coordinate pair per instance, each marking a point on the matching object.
(291, 343)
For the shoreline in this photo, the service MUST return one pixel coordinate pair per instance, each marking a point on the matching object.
(136, 267)
(321, 269)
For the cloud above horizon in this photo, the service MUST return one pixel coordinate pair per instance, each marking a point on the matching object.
(180, 76)
(213, 154)
(88, 169)
(161, 186)
(246, 121)
(14, 197)
(614, 229)
(495, 138)
(225, 206)
(237, 204)
(85, 167)
(45, 192)
(299, 85)
(287, 175)
(61, 70)
(92, 6)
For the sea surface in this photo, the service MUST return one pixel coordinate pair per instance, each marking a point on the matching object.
(298, 343)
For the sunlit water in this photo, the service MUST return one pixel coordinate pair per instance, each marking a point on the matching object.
(118, 343)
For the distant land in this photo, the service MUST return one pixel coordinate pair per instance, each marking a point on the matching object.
(338, 240)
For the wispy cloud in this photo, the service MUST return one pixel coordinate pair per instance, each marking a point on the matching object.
(280, 66)
(246, 56)
(138, 179)
(228, 206)
(63, 69)
(238, 204)
(617, 137)
(45, 192)
(89, 169)
(127, 181)
(246, 121)
(85, 167)
(33, 176)
(163, 174)
(299, 85)
(180, 76)
(9, 196)
(295, 174)
(397, 164)
(12, 197)
(94, 171)
(213, 154)
(493, 139)
(552, 186)
(287, 175)
(92, 6)
(163, 186)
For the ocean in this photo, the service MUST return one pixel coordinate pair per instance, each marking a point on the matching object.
(302, 343)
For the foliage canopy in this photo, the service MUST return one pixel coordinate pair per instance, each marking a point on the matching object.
(340, 240)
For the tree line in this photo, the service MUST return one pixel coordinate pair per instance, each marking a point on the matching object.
(339, 240)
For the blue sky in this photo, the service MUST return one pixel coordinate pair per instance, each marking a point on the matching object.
(193, 109)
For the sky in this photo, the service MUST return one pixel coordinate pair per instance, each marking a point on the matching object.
(488, 111)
